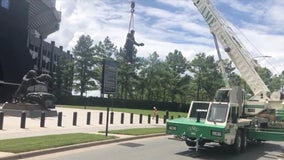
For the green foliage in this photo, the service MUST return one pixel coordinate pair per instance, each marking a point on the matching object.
(265, 75)
(177, 65)
(65, 66)
(206, 76)
(127, 75)
(174, 79)
(102, 50)
(84, 75)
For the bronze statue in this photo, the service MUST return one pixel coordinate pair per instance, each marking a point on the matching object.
(34, 89)
(129, 45)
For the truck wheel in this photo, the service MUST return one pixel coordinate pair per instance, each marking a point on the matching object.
(244, 141)
(237, 145)
(190, 142)
(201, 143)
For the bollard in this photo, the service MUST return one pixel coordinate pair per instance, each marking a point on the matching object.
(172, 117)
(111, 117)
(167, 114)
(88, 118)
(157, 119)
(42, 119)
(122, 118)
(1, 119)
(59, 122)
(74, 118)
(179, 116)
(165, 119)
(149, 118)
(23, 119)
(101, 118)
(140, 118)
(131, 118)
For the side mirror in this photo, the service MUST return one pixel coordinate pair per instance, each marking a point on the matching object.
(198, 116)
(234, 118)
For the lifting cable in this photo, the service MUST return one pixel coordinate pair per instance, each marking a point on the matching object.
(131, 22)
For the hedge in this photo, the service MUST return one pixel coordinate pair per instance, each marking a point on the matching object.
(121, 103)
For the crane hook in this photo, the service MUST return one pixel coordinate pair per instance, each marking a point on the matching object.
(132, 5)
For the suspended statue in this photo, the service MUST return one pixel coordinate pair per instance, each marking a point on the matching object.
(130, 40)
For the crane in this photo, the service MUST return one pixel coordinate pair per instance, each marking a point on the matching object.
(231, 119)
(240, 56)
(234, 48)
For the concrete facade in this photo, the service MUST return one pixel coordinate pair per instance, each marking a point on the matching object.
(24, 26)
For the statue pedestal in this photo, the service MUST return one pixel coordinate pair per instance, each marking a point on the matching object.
(32, 110)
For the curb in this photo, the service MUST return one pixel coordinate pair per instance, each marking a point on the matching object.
(76, 146)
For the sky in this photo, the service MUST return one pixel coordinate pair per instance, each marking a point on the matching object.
(166, 25)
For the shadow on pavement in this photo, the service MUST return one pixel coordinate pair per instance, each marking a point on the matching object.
(214, 151)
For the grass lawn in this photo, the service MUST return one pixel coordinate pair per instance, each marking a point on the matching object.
(19, 145)
(43, 142)
(138, 131)
(127, 110)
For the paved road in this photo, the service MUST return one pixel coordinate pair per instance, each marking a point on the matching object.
(166, 149)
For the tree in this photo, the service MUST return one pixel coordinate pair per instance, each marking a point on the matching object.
(276, 83)
(65, 68)
(102, 50)
(265, 74)
(127, 72)
(150, 77)
(206, 76)
(84, 76)
(177, 66)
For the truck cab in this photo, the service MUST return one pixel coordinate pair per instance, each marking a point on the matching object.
(210, 122)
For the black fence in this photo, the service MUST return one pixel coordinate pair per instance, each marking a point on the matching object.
(122, 103)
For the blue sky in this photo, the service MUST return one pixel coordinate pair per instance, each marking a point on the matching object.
(166, 25)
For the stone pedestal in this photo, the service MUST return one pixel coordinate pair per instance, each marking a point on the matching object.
(32, 110)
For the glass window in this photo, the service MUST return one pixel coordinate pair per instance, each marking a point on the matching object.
(31, 47)
(199, 107)
(47, 66)
(218, 113)
(5, 3)
(43, 64)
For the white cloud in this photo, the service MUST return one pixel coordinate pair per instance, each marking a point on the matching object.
(166, 25)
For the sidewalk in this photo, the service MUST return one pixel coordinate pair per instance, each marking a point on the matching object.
(11, 125)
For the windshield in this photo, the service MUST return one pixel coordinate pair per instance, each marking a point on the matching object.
(199, 107)
(218, 113)
(222, 96)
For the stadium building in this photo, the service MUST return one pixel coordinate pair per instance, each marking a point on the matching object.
(24, 26)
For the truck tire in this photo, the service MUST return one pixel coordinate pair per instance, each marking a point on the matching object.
(201, 143)
(190, 142)
(236, 147)
(244, 141)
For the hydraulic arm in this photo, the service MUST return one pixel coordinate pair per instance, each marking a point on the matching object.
(234, 48)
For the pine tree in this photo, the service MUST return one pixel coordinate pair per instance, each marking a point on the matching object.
(84, 77)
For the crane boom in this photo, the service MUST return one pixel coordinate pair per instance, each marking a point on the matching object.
(234, 48)
(231, 119)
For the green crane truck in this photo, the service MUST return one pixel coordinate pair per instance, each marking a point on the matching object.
(230, 119)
